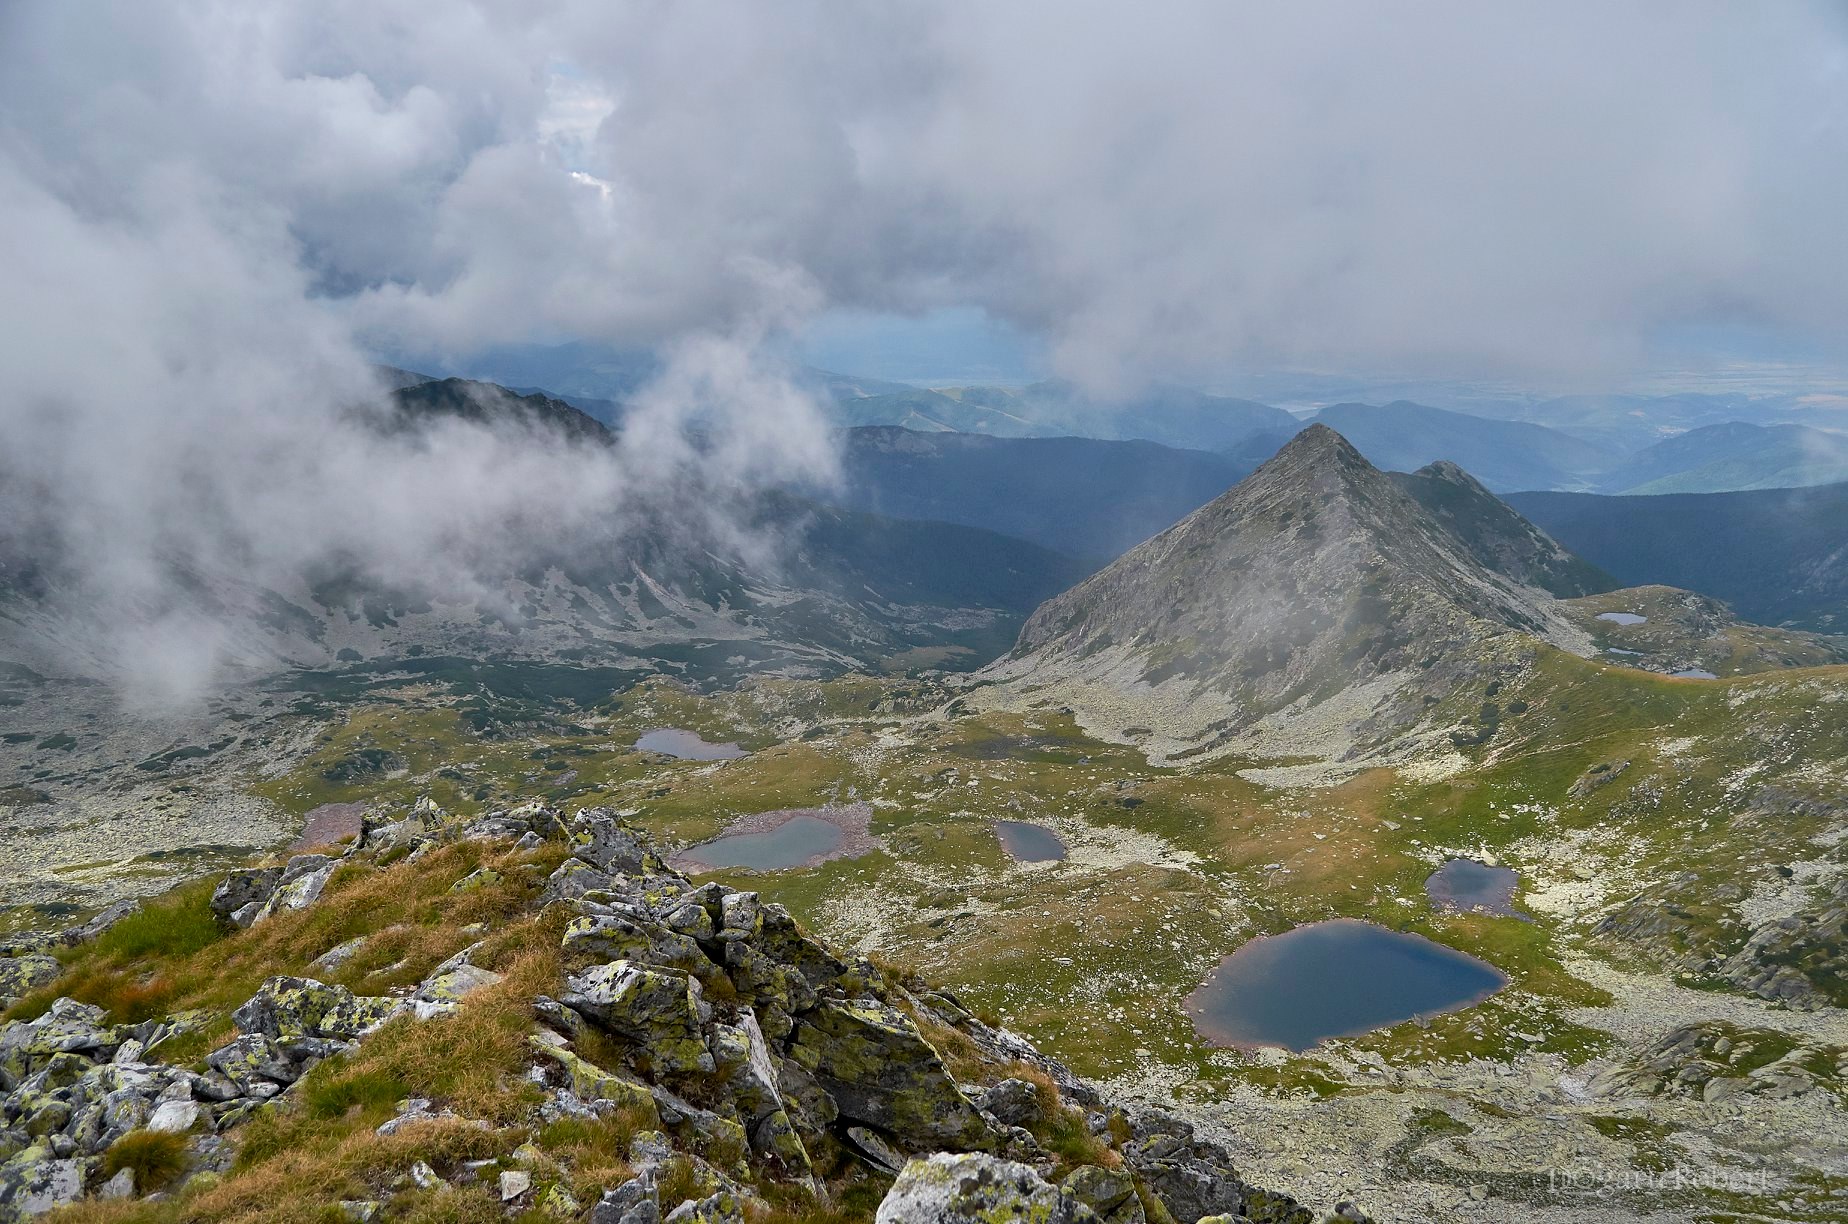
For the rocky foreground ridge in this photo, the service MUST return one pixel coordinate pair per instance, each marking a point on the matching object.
(614, 1043)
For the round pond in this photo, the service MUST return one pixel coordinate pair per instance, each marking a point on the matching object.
(1339, 978)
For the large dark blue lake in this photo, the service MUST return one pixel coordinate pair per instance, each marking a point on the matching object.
(1339, 978)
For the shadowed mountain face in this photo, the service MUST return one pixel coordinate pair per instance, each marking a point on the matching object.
(1081, 496)
(1319, 583)
(486, 403)
(1497, 536)
(1779, 556)
(837, 590)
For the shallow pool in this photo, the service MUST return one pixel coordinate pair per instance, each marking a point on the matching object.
(1339, 978)
(790, 844)
(1029, 843)
(671, 741)
(1623, 618)
(1465, 884)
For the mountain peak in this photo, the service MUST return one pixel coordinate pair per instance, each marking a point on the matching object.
(1444, 469)
(1318, 579)
(1316, 445)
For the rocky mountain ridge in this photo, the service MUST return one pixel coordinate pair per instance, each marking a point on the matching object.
(1320, 590)
(709, 1062)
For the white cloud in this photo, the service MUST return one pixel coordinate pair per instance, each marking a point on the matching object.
(209, 210)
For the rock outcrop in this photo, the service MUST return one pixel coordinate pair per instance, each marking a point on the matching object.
(974, 1187)
(750, 1056)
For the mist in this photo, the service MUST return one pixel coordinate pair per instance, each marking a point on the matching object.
(214, 215)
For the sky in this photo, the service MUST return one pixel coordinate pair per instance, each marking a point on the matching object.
(213, 216)
(1436, 188)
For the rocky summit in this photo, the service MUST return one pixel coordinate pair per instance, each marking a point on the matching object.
(611, 1043)
(1318, 605)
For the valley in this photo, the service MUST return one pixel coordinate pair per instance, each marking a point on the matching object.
(1169, 867)
(1073, 847)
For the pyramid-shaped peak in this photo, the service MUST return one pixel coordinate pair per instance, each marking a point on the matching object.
(1319, 444)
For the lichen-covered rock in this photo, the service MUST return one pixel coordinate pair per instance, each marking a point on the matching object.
(286, 1008)
(766, 982)
(302, 881)
(779, 938)
(720, 1208)
(558, 1202)
(242, 889)
(574, 880)
(254, 1064)
(481, 877)
(611, 934)
(449, 983)
(744, 1056)
(657, 1008)
(880, 1071)
(633, 1202)
(36, 1180)
(599, 838)
(84, 932)
(952, 1188)
(67, 1027)
(594, 1086)
(339, 954)
(1195, 1179)
(1013, 1102)
(21, 975)
(1111, 1193)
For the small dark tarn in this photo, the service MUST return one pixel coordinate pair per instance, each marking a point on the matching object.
(1339, 978)
(1623, 618)
(1029, 843)
(1694, 673)
(1465, 884)
(671, 741)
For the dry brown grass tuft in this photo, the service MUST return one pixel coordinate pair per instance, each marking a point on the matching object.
(473, 1059)
(964, 1060)
(417, 918)
(156, 1157)
(307, 1165)
(595, 1152)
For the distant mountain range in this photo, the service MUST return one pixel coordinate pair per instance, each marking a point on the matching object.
(1778, 556)
(1173, 416)
(1582, 443)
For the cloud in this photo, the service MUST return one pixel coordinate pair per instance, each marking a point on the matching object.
(212, 212)
(1434, 186)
